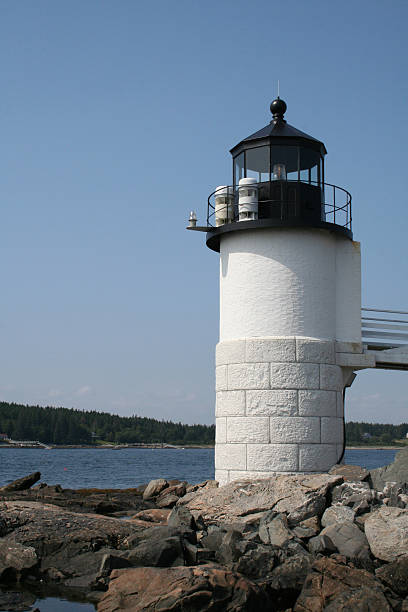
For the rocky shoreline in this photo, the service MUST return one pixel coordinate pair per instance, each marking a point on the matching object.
(300, 543)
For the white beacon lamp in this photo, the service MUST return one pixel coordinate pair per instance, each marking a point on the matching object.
(279, 172)
(248, 199)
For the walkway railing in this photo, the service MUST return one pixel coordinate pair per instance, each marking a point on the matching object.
(384, 329)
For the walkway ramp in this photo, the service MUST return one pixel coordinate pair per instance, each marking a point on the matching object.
(385, 337)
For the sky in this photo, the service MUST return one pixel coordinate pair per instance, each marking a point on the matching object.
(116, 119)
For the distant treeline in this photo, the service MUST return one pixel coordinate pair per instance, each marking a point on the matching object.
(374, 434)
(69, 426)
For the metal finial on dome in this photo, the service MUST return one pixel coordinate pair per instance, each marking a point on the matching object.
(278, 108)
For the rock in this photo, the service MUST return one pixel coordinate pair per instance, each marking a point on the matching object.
(229, 550)
(308, 528)
(273, 529)
(167, 501)
(321, 544)
(348, 539)
(184, 588)
(194, 555)
(181, 516)
(155, 487)
(101, 501)
(16, 601)
(395, 575)
(201, 485)
(110, 562)
(213, 538)
(157, 532)
(22, 483)
(14, 559)
(157, 553)
(356, 495)
(177, 489)
(300, 496)
(68, 544)
(337, 514)
(395, 472)
(333, 587)
(386, 530)
(170, 495)
(107, 507)
(395, 494)
(285, 582)
(350, 473)
(153, 515)
(256, 562)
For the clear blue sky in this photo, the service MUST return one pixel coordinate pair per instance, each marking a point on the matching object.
(116, 120)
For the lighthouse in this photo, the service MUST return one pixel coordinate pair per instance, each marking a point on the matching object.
(290, 306)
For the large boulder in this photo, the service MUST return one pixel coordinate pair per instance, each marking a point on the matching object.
(22, 483)
(386, 530)
(394, 472)
(273, 529)
(155, 487)
(300, 496)
(333, 586)
(337, 514)
(181, 517)
(159, 547)
(101, 501)
(348, 539)
(69, 546)
(183, 588)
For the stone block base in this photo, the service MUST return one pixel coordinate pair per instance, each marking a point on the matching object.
(279, 407)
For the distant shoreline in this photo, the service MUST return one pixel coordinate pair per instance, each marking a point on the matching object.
(164, 447)
(109, 447)
(376, 447)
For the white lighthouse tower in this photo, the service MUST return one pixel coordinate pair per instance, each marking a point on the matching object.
(290, 306)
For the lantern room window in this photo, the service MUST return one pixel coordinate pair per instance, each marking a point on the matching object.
(257, 164)
(278, 162)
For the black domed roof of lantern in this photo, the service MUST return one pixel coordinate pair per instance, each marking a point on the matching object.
(279, 131)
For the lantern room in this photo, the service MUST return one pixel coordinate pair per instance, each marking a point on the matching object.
(278, 179)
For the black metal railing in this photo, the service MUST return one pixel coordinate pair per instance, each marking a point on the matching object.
(285, 201)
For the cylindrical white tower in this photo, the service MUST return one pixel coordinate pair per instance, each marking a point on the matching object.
(290, 305)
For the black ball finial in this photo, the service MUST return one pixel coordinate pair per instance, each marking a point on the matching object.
(278, 109)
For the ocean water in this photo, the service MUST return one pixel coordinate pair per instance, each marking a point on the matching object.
(130, 467)
(103, 468)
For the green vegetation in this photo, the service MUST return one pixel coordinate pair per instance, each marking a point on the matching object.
(376, 434)
(69, 426)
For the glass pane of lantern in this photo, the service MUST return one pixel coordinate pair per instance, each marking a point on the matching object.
(257, 164)
(309, 162)
(288, 156)
(314, 175)
(238, 168)
(304, 176)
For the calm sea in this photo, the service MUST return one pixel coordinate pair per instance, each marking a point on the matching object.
(130, 467)
(77, 468)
